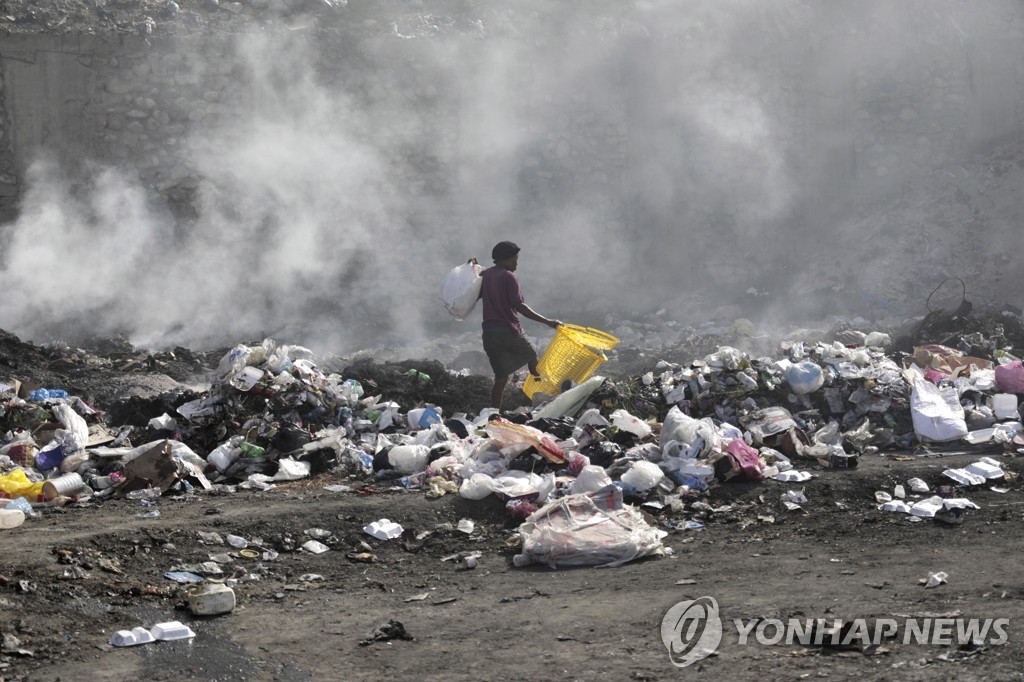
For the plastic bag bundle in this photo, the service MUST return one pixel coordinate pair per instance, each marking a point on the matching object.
(589, 529)
(461, 289)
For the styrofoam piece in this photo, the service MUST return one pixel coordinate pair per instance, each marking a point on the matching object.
(926, 508)
(986, 467)
(964, 477)
(792, 476)
(133, 637)
(959, 503)
(171, 630)
(895, 506)
(384, 529)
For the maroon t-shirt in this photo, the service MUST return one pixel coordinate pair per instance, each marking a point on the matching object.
(501, 294)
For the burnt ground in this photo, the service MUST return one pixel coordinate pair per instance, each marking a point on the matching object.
(838, 559)
(72, 576)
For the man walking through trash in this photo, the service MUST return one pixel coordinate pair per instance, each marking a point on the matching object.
(504, 343)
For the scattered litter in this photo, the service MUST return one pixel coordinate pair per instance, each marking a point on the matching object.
(386, 632)
(212, 599)
(236, 541)
(917, 485)
(171, 630)
(315, 547)
(934, 579)
(183, 577)
(133, 637)
(792, 476)
(384, 529)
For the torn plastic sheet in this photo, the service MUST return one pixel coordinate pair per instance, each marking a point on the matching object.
(589, 529)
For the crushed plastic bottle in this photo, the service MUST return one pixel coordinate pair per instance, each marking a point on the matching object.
(22, 505)
(144, 494)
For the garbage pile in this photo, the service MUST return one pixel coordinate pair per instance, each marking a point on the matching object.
(572, 470)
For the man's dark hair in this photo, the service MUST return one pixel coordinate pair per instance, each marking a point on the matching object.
(503, 250)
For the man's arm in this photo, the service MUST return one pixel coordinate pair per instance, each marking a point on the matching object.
(527, 311)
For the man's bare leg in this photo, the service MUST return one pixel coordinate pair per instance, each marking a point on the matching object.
(498, 392)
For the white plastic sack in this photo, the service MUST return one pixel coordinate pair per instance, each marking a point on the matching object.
(75, 434)
(409, 459)
(937, 414)
(461, 289)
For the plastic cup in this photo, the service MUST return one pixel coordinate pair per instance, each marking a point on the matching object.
(49, 458)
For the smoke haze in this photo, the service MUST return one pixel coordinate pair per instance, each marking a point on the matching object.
(646, 157)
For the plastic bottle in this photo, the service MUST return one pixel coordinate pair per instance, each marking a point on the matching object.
(22, 505)
(144, 494)
(224, 454)
(11, 518)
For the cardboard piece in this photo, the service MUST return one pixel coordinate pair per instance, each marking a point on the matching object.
(98, 435)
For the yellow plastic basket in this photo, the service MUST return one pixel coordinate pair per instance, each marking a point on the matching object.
(574, 354)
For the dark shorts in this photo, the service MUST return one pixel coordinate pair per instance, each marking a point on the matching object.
(507, 350)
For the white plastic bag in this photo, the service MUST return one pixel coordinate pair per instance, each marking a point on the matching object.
(627, 422)
(643, 476)
(461, 289)
(804, 377)
(937, 415)
(409, 459)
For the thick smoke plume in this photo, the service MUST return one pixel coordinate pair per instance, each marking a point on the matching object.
(643, 156)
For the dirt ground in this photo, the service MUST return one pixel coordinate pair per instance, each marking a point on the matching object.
(839, 559)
